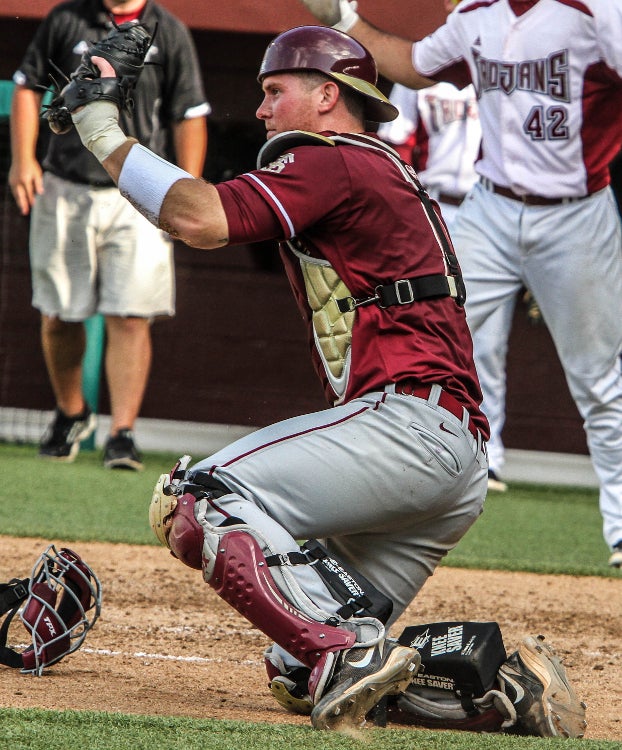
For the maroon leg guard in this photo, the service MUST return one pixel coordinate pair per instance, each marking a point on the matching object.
(242, 578)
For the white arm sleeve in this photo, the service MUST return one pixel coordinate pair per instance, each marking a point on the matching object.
(145, 180)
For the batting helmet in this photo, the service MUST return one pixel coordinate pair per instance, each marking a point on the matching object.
(54, 604)
(335, 54)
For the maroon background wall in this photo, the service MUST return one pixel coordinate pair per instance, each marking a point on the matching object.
(236, 351)
(412, 19)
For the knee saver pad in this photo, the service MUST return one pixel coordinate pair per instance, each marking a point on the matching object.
(185, 535)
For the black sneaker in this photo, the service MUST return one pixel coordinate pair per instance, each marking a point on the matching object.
(535, 681)
(120, 452)
(616, 555)
(61, 441)
(362, 677)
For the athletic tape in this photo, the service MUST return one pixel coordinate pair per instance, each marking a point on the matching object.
(98, 127)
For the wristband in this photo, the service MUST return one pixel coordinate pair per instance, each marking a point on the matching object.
(98, 127)
(145, 180)
(349, 16)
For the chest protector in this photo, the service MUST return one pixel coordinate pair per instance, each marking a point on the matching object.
(333, 307)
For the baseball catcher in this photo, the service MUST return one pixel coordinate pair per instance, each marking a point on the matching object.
(385, 516)
(125, 49)
(58, 605)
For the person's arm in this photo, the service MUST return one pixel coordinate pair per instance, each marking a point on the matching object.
(190, 144)
(171, 198)
(393, 54)
(25, 175)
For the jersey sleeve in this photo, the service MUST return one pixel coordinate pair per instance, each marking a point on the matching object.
(441, 57)
(288, 196)
(249, 216)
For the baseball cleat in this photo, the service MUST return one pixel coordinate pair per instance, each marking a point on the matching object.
(362, 678)
(615, 561)
(546, 705)
(61, 441)
(495, 484)
(120, 452)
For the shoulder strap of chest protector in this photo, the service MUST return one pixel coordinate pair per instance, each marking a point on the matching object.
(278, 145)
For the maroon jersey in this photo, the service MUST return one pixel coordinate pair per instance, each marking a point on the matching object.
(349, 220)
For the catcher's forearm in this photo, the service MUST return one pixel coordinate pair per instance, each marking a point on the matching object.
(169, 197)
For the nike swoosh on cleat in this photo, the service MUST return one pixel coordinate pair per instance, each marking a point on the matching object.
(365, 661)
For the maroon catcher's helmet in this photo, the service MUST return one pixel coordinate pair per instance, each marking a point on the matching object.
(54, 604)
(337, 55)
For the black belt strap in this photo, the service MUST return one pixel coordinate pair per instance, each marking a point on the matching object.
(12, 594)
(403, 292)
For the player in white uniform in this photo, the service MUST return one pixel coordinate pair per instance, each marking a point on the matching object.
(445, 124)
(548, 75)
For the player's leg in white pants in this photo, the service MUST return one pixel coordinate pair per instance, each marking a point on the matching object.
(576, 276)
(490, 342)
(484, 236)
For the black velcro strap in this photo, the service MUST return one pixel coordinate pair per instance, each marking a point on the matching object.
(11, 658)
(288, 558)
(12, 593)
(354, 606)
(403, 292)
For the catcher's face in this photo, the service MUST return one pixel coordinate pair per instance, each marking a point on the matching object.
(289, 103)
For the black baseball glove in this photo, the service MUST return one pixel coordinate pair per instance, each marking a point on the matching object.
(125, 48)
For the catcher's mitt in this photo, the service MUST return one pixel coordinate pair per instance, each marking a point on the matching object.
(125, 48)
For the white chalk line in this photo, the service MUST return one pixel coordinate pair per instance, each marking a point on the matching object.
(162, 657)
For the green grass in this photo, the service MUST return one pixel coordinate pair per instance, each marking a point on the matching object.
(48, 730)
(541, 529)
(77, 502)
(529, 528)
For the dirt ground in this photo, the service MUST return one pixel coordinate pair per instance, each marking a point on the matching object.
(166, 645)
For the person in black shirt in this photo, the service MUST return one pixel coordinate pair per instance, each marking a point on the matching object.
(90, 251)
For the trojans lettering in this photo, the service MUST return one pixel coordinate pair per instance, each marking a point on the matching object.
(549, 75)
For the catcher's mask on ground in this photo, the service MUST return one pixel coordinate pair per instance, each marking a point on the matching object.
(53, 605)
(337, 55)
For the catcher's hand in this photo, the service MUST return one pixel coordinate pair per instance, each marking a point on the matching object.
(125, 48)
